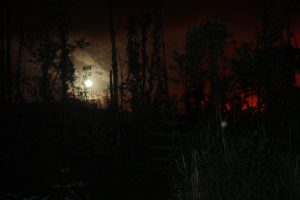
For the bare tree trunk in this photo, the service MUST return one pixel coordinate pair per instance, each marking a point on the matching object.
(7, 83)
(19, 71)
(144, 26)
(114, 63)
(121, 68)
(46, 66)
(63, 63)
(111, 89)
(165, 62)
(159, 58)
(2, 49)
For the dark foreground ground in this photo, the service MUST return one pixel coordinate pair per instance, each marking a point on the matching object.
(70, 152)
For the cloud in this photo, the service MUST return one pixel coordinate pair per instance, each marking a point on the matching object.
(100, 76)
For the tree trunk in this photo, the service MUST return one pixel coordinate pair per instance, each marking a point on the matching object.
(165, 63)
(144, 26)
(114, 62)
(63, 63)
(2, 49)
(46, 66)
(7, 84)
(19, 92)
(114, 65)
(111, 88)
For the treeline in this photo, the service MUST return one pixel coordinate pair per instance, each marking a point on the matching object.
(252, 87)
(232, 132)
(213, 79)
(259, 78)
(144, 80)
(262, 70)
(40, 68)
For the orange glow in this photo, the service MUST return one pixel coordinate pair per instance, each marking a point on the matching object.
(250, 102)
(297, 80)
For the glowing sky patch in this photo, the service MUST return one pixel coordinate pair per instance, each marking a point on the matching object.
(88, 83)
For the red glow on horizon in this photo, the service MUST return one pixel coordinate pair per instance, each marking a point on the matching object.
(297, 80)
(250, 102)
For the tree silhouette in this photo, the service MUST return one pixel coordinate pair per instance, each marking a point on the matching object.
(147, 74)
(6, 71)
(65, 64)
(201, 65)
(144, 24)
(2, 50)
(275, 54)
(134, 77)
(159, 79)
(81, 76)
(43, 48)
(62, 11)
(20, 68)
(114, 76)
(112, 33)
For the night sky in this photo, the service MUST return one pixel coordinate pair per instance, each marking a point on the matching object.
(90, 19)
(218, 120)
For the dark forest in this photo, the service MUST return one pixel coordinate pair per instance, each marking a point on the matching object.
(116, 103)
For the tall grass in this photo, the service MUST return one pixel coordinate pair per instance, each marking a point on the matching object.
(218, 164)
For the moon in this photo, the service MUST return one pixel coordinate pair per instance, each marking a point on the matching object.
(88, 83)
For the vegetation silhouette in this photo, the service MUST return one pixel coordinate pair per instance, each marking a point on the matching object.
(232, 134)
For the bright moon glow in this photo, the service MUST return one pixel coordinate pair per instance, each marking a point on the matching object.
(88, 83)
